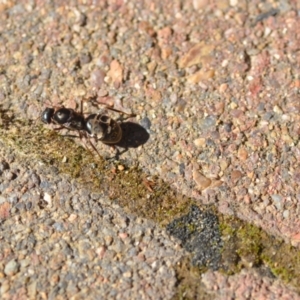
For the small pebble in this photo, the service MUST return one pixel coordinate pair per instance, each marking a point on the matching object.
(11, 268)
(121, 167)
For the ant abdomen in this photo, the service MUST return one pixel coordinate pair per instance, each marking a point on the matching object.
(103, 128)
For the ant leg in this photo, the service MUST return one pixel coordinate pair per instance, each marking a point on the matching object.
(54, 106)
(94, 148)
(34, 121)
(122, 113)
(115, 110)
(92, 145)
(121, 118)
(117, 156)
(81, 108)
(81, 135)
(70, 136)
(118, 152)
(59, 128)
(66, 135)
(81, 105)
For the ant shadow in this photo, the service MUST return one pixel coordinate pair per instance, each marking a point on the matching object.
(134, 135)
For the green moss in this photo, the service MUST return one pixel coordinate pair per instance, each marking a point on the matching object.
(190, 286)
(283, 260)
(246, 245)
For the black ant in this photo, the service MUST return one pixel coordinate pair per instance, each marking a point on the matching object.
(98, 126)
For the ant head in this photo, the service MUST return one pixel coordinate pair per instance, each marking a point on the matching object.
(62, 115)
(47, 115)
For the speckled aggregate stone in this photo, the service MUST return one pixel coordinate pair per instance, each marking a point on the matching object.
(215, 84)
(246, 285)
(70, 243)
(58, 242)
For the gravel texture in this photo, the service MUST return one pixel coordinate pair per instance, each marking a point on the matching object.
(214, 85)
(246, 285)
(234, 64)
(58, 241)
